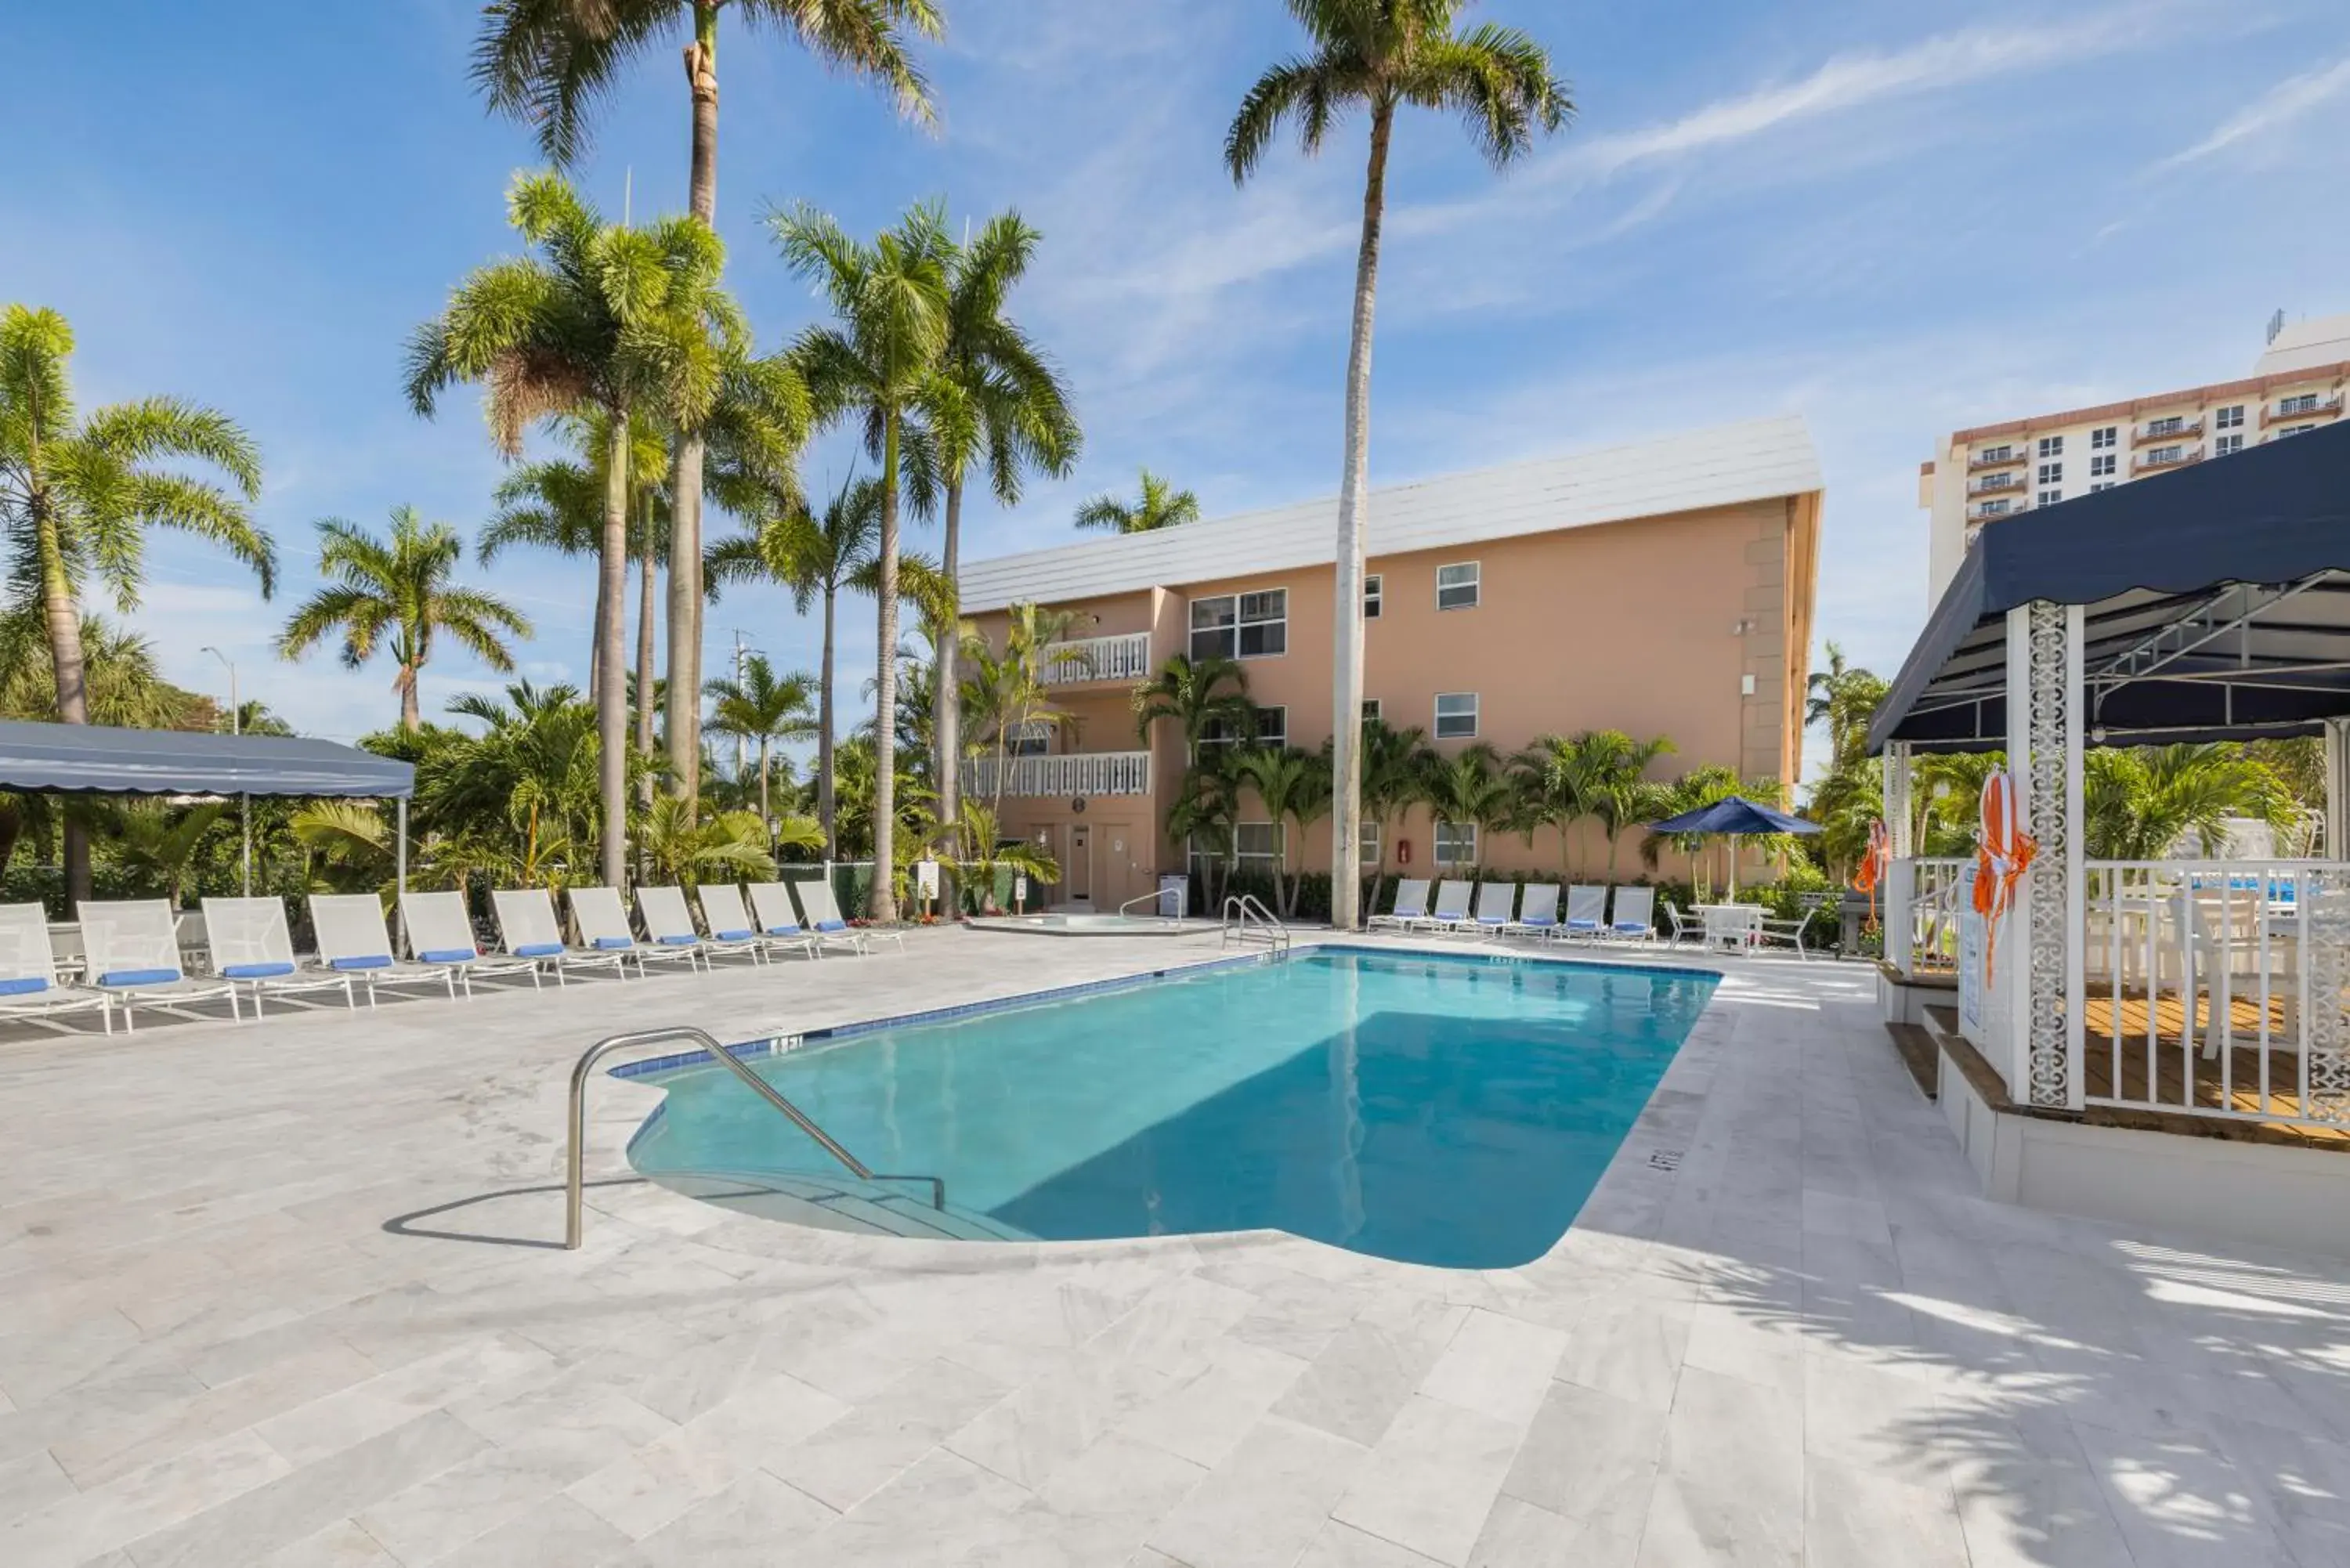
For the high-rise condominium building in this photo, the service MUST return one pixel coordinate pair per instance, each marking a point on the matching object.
(2024, 465)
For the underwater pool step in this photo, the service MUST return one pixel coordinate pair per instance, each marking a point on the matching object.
(830, 1203)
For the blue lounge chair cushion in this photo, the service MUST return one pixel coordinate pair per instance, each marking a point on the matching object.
(1537, 920)
(138, 977)
(24, 986)
(616, 944)
(832, 925)
(256, 971)
(1634, 927)
(1493, 920)
(1582, 925)
(448, 955)
(736, 936)
(783, 930)
(538, 949)
(675, 941)
(365, 960)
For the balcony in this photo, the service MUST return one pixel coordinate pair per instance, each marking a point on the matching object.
(2293, 409)
(2166, 457)
(1998, 457)
(1126, 657)
(1992, 512)
(1995, 483)
(2167, 429)
(1067, 774)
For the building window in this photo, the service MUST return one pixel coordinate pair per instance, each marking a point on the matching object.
(1256, 845)
(1371, 586)
(2165, 454)
(2299, 403)
(1456, 587)
(2169, 424)
(2052, 473)
(2101, 465)
(2052, 446)
(2296, 430)
(1992, 508)
(2001, 453)
(1456, 715)
(1369, 853)
(2103, 484)
(1240, 626)
(1030, 738)
(2051, 497)
(1270, 728)
(2222, 445)
(1273, 726)
(1456, 843)
(2230, 418)
(1370, 710)
(2104, 438)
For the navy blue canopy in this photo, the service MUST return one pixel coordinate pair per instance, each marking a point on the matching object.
(41, 758)
(1734, 813)
(2217, 605)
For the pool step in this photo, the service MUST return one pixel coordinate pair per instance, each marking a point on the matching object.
(843, 1204)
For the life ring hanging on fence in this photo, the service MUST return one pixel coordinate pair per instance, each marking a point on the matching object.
(2003, 852)
(1874, 865)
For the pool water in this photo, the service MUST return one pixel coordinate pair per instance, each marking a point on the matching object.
(1452, 1111)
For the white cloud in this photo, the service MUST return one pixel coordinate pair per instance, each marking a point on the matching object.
(2280, 106)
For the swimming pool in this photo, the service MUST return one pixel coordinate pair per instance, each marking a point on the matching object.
(1451, 1110)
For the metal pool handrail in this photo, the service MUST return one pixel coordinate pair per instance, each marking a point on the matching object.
(1243, 912)
(574, 1178)
(1150, 897)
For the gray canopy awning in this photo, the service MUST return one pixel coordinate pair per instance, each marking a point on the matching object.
(97, 760)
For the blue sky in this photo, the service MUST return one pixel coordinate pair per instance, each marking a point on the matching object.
(1895, 218)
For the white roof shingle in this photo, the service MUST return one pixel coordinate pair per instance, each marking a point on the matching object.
(1723, 466)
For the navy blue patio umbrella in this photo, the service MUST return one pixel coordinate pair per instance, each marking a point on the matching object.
(1733, 815)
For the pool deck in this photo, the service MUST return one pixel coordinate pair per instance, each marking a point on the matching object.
(288, 1294)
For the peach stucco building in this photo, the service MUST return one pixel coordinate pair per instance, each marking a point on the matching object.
(1662, 588)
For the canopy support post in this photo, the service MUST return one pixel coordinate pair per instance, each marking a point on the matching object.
(399, 854)
(2337, 789)
(2038, 966)
(1900, 874)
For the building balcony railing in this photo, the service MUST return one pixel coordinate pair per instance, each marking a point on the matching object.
(2001, 457)
(1071, 774)
(1993, 512)
(2292, 410)
(1125, 657)
(2162, 458)
(2165, 430)
(1996, 483)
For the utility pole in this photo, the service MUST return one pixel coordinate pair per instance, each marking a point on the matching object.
(739, 651)
(244, 802)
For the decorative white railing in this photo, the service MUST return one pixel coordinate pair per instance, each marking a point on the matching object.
(1126, 657)
(1069, 772)
(1935, 900)
(2218, 987)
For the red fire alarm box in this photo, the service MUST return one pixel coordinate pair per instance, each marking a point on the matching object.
(1403, 851)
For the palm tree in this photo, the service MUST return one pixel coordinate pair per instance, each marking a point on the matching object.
(1379, 56)
(400, 588)
(880, 363)
(1394, 779)
(122, 684)
(610, 319)
(157, 846)
(1202, 816)
(77, 496)
(814, 558)
(761, 707)
(1161, 506)
(1012, 689)
(535, 769)
(1470, 789)
(549, 62)
(1293, 785)
(1596, 774)
(984, 851)
(1199, 696)
(1010, 408)
(2138, 802)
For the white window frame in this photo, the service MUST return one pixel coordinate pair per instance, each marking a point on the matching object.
(2105, 437)
(1029, 738)
(1280, 709)
(1270, 860)
(2229, 418)
(2049, 498)
(1458, 833)
(2168, 425)
(1372, 710)
(2299, 403)
(2101, 485)
(1474, 583)
(2163, 456)
(2052, 473)
(1374, 595)
(1437, 715)
(2052, 446)
(1367, 843)
(1238, 627)
(2101, 465)
(2223, 445)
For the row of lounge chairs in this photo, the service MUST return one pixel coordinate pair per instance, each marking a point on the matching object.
(130, 954)
(1498, 911)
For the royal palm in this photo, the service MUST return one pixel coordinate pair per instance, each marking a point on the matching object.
(1158, 504)
(77, 496)
(400, 592)
(1381, 55)
(761, 707)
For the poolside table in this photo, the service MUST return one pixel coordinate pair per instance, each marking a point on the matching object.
(1731, 925)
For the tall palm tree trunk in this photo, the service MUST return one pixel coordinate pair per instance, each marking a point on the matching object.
(64, 623)
(685, 499)
(824, 730)
(611, 699)
(1354, 506)
(411, 718)
(645, 610)
(885, 689)
(765, 815)
(946, 705)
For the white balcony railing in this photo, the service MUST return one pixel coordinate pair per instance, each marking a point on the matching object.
(1126, 657)
(1071, 774)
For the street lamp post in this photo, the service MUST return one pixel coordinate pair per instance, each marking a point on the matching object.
(244, 802)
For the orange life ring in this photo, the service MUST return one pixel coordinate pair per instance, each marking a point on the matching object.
(2003, 852)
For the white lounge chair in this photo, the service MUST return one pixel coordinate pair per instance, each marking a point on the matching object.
(528, 928)
(441, 936)
(1537, 912)
(354, 941)
(1410, 908)
(823, 912)
(778, 919)
(253, 950)
(1683, 926)
(133, 952)
(1587, 911)
(601, 922)
(29, 987)
(668, 925)
(1452, 911)
(1497, 907)
(731, 926)
(1636, 915)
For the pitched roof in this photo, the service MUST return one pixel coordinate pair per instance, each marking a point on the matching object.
(1754, 461)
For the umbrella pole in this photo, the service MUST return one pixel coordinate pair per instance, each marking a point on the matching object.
(1733, 866)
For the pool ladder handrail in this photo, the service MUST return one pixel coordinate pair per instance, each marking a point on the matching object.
(1245, 915)
(574, 1178)
(1153, 896)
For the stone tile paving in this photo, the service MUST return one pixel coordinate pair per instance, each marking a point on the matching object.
(286, 1294)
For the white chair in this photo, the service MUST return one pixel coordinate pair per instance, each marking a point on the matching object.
(354, 941)
(29, 987)
(253, 950)
(1452, 911)
(1537, 912)
(65, 950)
(668, 925)
(1497, 907)
(189, 932)
(1683, 926)
(823, 912)
(778, 919)
(728, 922)
(1410, 908)
(441, 936)
(601, 922)
(1636, 915)
(1587, 911)
(528, 928)
(133, 952)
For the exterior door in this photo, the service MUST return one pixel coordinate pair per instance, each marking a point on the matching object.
(1079, 873)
